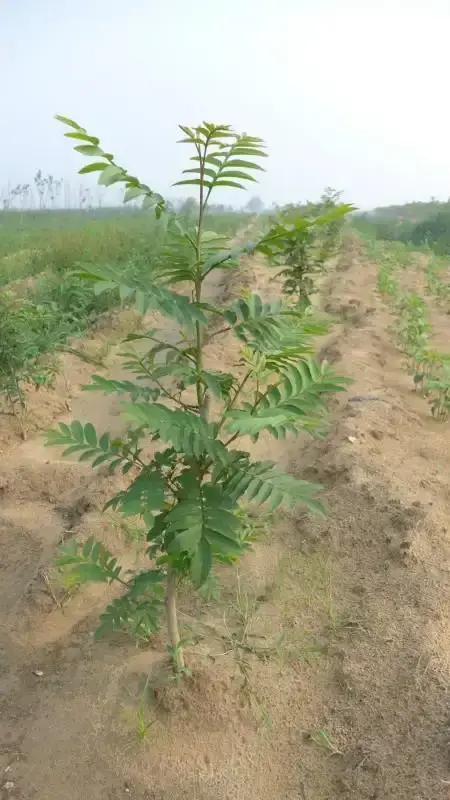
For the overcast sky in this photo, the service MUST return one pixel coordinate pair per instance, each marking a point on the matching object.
(348, 93)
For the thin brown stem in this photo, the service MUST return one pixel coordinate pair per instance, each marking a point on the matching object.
(231, 403)
(171, 347)
(123, 583)
(170, 395)
(231, 439)
(216, 333)
(161, 386)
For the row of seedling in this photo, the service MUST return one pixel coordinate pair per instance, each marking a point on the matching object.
(430, 369)
(390, 258)
(436, 286)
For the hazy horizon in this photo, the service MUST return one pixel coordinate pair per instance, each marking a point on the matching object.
(346, 94)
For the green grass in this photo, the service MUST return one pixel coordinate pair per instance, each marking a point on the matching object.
(57, 304)
(35, 241)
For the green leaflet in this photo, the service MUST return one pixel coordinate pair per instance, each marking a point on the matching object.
(264, 482)
(294, 403)
(147, 579)
(201, 562)
(272, 328)
(152, 297)
(84, 442)
(159, 361)
(187, 432)
(218, 383)
(89, 150)
(221, 164)
(109, 386)
(145, 493)
(203, 523)
(88, 562)
(262, 324)
(110, 175)
(138, 610)
(70, 122)
(109, 171)
(225, 258)
(137, 615)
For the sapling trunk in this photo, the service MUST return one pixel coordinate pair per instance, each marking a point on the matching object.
(202, 403)
(172, 621)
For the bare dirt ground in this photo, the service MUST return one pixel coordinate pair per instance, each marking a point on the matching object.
(322, 672)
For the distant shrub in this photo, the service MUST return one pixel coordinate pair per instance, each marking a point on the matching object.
(391, 230)
(435, 232)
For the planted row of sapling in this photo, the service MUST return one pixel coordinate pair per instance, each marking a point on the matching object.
(429, 368)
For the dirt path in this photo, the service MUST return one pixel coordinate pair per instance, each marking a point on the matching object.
(323, 670)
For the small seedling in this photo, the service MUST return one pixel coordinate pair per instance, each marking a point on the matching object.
(132, 529)
(175, 652)
(211, 590)
(267, 720)
(440, 387)
(321, 738)
(143, 724)
(413, 327)
(142, 721)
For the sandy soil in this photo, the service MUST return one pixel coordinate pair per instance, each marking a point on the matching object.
(321, 673)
